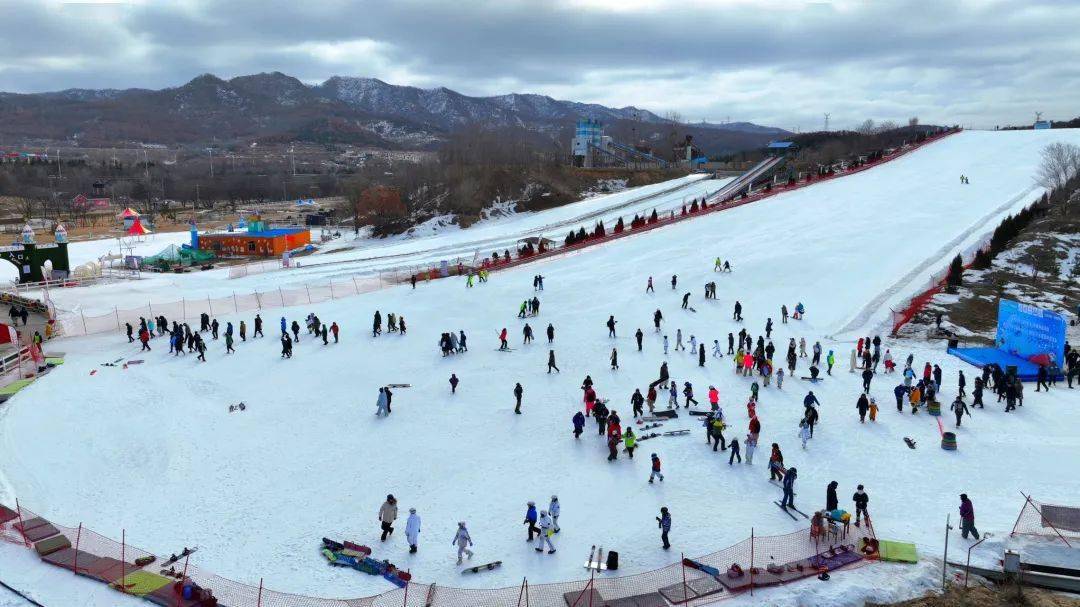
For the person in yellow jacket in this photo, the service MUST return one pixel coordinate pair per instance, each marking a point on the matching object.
(914, 398)
(630, 442)
(873, 409)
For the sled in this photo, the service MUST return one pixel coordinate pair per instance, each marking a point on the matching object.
(702, 567)
(479, 568)
(909, 441)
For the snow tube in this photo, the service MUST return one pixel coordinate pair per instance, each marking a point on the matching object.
(933, 408)
(948, 441)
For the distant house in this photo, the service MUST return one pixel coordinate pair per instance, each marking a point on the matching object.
(781, 148)
(257, 241)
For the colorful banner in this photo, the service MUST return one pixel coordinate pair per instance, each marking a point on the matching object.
(1028, 331)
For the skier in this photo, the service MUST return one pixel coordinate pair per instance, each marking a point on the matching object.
(530, 520)
(861, 499)
(789, 488)
(776, 463)
(967, 517)
(638, 335)
(463, 541)
(387, 516)
(649, 287)
(546, 531)
(611, 325)
(664, 522)
(503, 345)
(959, 408)
(579, 424)
(655, 469)
(412, 530)
(518, 391)
(551, 362)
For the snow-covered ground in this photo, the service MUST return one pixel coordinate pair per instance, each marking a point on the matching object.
(348, 258)
(152, 449)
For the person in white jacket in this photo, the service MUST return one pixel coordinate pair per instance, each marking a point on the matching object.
(412, 529)
(546, 530)
(463, 541)
(383, 406)
(553, 510)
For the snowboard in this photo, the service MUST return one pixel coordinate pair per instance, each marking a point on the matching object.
(812, 380)
(647, 437)
(138, 361)
(398, 385)
(239, 407)
(174, 558)
(504, 349)
(691, 309)
(700, 413)
(479, 568)
(910, 443)
(677, 433)
(650, 426)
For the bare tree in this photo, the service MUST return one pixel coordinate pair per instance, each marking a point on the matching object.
(886, 126)
(913, 121)
(867, 127)
(1060, 164)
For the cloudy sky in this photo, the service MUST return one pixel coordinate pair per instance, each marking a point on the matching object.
(777, 62)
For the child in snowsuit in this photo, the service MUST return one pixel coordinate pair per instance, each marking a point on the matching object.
(463, 541)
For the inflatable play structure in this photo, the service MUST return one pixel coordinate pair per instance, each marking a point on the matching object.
(38, 262)
(1027, 338)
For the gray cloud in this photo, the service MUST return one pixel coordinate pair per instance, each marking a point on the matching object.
(974, 62)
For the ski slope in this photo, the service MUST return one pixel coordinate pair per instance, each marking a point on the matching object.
(153, 450)
(367, 256)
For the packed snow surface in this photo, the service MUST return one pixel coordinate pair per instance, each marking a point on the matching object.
(152, 449)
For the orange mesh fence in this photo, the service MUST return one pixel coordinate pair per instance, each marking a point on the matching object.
(764, 561)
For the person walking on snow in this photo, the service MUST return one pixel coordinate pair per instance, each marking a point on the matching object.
(551, 362)
(518, 391)
(579, 424)
(673, 396)
(611, 325)
(830, 360)
(678, 340)
(387, 516)
(649, 287)
(737, 316)
(665, 345)
(412, 530)
(638, 335)
(462, 541)
(382, 405)
(959, 408)
(530, 520)
(550, 333)
(554, 508)
(664, 523)
(967, 517)
(861, 499)
(614, 358)
(546, 531)
(655, 468)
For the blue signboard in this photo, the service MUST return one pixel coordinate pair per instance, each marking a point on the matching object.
(1026, 331)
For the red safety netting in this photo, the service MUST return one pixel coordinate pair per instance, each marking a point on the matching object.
(764, 561)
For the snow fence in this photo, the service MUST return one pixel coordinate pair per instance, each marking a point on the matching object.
(764, 561)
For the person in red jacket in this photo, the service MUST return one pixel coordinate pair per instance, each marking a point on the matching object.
(927, 372)
(334, 329)
(755, 428)
(144, 338)
(655, 469)
(502, 340)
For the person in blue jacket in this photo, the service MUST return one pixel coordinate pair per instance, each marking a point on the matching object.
(900, 391)
(810, 399)
(579, 424)
(284, 326)
(530, 520)
(789, 488)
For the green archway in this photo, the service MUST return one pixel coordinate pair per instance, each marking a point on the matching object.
(29, 258)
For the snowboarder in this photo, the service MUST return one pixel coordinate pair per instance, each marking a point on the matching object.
(655, 469)
(412, 530)
(387, 516)
(664, 522)
(518, 391)
(967, 517)
(463, 541)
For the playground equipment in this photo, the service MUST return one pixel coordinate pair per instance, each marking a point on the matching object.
(33, 260)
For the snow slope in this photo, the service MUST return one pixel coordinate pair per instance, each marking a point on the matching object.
(153, 450)
(369, 256)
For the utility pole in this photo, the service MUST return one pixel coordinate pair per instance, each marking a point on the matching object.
(211, 150)
(827, 121)
(59, 164)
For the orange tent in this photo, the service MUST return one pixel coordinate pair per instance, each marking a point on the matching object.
(128, 212)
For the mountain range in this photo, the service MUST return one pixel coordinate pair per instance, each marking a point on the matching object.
(275, 107)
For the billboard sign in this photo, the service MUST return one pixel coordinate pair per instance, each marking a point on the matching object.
(1027, 331)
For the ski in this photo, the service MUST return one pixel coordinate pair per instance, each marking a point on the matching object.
(799, 511)
(786, 511)
(479, 568)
